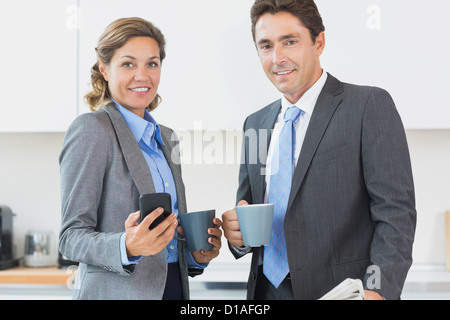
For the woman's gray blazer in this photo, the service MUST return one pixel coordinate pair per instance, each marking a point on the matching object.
(103, 172)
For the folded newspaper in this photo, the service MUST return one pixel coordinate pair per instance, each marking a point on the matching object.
(349, 289)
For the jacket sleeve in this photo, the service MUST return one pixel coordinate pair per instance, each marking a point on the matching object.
(83, 163)
(389, 182)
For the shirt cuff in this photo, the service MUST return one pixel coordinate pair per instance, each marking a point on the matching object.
(192, 263)
(126, 261)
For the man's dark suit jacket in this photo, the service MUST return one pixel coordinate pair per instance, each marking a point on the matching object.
(352, 202)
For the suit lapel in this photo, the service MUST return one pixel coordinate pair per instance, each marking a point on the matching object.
(134, 158)
(329, 100)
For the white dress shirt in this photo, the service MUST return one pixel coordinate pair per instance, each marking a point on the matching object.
(306, 103)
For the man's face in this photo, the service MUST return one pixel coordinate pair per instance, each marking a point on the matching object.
(287, 53)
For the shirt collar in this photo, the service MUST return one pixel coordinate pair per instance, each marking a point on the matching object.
(142, 128)
(308, 101)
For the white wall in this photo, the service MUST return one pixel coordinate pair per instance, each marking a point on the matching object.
(29, 181)
(29, 184)
(430, 152)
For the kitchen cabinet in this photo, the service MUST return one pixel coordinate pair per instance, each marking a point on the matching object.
(388, 44)
(38, 83)
(212, 78)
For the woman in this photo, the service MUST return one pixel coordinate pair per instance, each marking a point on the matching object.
(110, 157)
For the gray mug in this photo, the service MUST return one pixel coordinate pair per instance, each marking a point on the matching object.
(195, 228)
(255, 221)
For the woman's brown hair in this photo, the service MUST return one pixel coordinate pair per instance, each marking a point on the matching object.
(113, 38)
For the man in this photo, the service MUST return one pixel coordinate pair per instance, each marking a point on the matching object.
(345, 208)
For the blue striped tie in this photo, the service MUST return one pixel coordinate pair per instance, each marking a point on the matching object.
(275, 265)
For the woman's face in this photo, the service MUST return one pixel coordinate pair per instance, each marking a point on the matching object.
(133, 74)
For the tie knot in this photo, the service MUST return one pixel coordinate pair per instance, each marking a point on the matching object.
(292, 114)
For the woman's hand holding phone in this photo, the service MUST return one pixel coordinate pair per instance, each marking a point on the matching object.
(141, 241)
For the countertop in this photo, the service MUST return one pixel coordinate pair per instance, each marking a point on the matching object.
(220, 282)
(26, 275)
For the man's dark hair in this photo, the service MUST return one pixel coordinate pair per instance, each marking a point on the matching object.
(305, 10)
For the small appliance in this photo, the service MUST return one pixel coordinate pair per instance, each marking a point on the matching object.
(40, 249)
(7, 259)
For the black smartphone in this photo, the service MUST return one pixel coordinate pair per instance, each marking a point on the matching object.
(151, 201)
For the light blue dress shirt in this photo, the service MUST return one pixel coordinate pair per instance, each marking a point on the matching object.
(148, 136)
